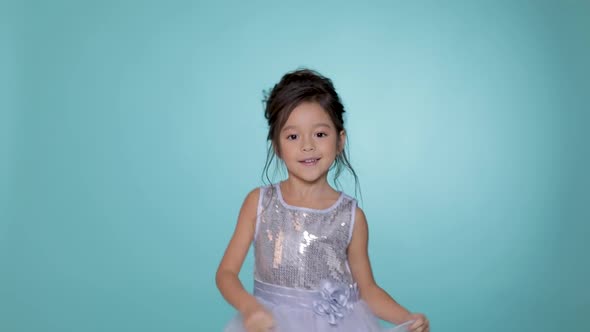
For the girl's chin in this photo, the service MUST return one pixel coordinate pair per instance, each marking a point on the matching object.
(309, 178)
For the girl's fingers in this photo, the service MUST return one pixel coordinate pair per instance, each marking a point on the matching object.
(420, 325)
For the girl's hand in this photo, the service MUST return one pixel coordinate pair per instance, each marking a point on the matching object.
(258, 320)
(421, 323)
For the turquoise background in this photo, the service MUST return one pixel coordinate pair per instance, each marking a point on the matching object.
(131, 131)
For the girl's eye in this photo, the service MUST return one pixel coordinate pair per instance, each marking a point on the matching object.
(292, 137)
(321, 134)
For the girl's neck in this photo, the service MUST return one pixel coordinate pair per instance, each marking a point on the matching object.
(300, 191)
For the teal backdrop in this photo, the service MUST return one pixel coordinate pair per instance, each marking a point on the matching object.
(131, 131)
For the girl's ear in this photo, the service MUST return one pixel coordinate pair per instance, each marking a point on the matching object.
(276, 150)
(341, 140)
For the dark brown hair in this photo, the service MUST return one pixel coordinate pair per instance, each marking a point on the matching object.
(294, 88)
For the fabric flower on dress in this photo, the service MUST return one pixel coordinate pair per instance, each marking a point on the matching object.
(335, 300)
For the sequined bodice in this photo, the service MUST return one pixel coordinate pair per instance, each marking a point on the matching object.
(299, 247)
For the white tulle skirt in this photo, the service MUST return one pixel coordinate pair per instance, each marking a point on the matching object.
(332, 308)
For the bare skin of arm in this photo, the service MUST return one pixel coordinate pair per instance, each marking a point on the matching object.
(378, 300)
(254, 314)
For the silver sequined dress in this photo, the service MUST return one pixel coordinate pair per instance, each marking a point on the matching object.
(301, 268)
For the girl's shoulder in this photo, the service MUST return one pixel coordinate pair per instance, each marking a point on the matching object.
(255, 197)
(251, 200)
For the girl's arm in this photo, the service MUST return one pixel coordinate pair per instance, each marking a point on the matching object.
(227, 273)
(382, 305)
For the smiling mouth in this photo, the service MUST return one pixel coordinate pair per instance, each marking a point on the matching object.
(310, 162)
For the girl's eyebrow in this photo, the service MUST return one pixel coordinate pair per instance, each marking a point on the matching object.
(322, 124)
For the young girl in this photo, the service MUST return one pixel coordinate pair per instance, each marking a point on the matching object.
(312, 270)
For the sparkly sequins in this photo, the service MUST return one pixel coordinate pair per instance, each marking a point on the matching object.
(299, 247)
(307, 238)
(278, 253)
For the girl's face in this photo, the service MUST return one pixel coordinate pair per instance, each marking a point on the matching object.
(309, 142)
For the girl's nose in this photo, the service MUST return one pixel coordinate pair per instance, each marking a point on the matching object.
(308, 146)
